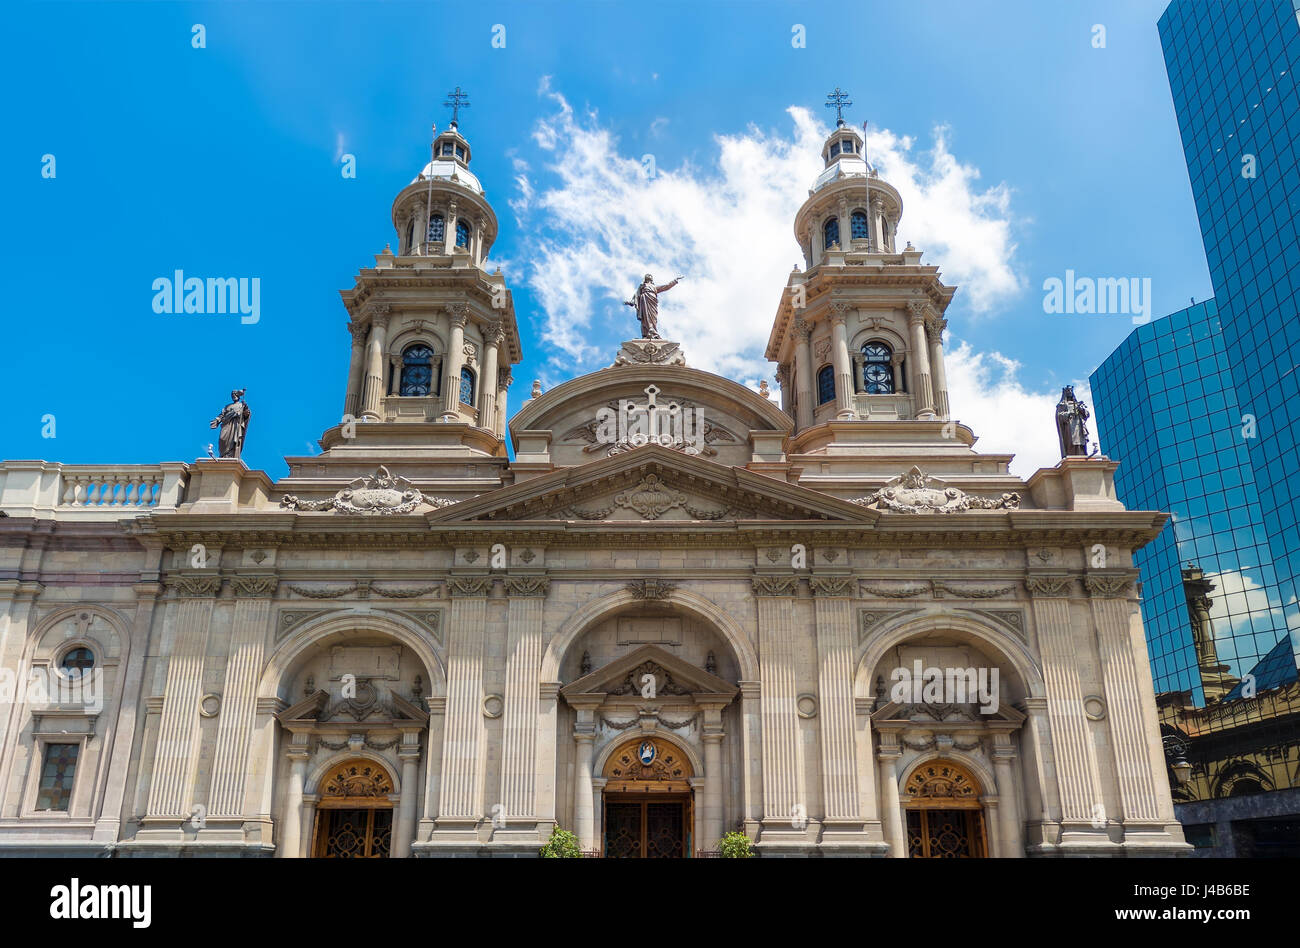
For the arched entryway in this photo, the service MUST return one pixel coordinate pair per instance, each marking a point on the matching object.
(354, 813)
(648, 806)
(945, 819)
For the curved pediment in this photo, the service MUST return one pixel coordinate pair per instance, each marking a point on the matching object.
(617, 409)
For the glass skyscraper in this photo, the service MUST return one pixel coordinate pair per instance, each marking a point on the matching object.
(1167, 408)
(1232, 71)
(1202, 408)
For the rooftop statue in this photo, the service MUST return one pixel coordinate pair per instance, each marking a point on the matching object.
(1072, 424)
(233, 422)
(646, 304)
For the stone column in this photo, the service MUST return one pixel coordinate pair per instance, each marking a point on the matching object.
(1043, 796)
(584, 813)
(176, 755)
(121, 740)
(783, 381)
(493, 336)
(815, 242)
(846, 234)
(1075, 755)
(859, 370)
(544, 782)
(1010, 827)
(783, 766)
(1134, 733)
(449, 230)
(804, 402)
(404, 828)
(891, 808)
(523, 663)
(306, 825)
(843, 366)
(923, 401)
(896, 373)
(892, 234)
(461, 794)
(504, 378)
(713, 809)
(356, 369)
(751, 744)
(373, 394)
(231, 760)
(877, 223)
(935, 334)
(836, 641)
(993, 827)
(454, 362)
(291, 825)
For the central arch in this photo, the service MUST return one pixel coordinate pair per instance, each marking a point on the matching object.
(597, 610)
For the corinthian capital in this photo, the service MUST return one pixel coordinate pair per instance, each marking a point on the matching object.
(379, 313)
(918, 308)
(459, 314)
(802, 330)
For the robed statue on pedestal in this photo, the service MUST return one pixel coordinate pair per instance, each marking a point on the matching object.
(1072, 424)
(646, 304)
(233, 422)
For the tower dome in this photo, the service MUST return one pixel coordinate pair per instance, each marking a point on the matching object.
(444, 211)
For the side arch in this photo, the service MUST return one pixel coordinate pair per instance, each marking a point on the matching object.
(1003, 644)
(291, 648)
(596, 610)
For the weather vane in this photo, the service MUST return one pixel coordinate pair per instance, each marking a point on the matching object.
(837, 100)
(456, 101)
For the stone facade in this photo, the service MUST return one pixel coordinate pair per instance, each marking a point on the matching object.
(681, 610)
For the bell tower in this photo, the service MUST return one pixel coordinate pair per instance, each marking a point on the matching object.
(433, 332)
(858, 335)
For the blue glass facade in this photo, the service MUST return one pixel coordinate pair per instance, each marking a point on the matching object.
(1167, 408)
(1232, 73)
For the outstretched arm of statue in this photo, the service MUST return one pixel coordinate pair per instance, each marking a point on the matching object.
(668, 286)
(631, 303)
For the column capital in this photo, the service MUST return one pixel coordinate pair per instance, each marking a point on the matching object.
(774, 585)
(253, 587)
(1107, 585)
(195, 587)
(918, 308)
(504, 378)
(458, 313)
(527, 586)
(802, 330)
(380, 314)
(1049, 586)
(358, 329)
(833, 586)
(469, 587)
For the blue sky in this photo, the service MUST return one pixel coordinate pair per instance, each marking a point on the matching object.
(224, 161)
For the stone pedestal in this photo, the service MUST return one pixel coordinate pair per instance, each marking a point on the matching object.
(650, 352)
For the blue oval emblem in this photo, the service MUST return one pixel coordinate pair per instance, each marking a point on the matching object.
(646, 753)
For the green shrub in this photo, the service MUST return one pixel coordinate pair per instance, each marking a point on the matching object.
(735, 846)
(561, 845)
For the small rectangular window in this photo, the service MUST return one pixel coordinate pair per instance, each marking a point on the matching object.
(58, 771)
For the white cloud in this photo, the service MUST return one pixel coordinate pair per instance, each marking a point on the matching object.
(600, 222)
(986, 394)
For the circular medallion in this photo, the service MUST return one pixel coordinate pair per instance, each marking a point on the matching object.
(646, 753)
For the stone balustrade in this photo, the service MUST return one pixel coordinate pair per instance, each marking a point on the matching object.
(40, 488)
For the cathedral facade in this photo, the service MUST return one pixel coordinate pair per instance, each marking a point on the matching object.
(683, 609)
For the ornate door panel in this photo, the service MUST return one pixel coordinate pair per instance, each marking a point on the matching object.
(646, 829)
(623, 830)
(944, 834)
(355, 834)
(663, 835)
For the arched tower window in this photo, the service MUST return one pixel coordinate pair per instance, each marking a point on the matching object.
(77, 662)
(437, 231)
(859, 226)
(417, 370)
(410, 237)
(825, 384)
(831, 232)
(462, 232)
(467, 385)
(877, 371)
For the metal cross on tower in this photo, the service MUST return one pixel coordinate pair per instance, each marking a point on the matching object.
(456, 101)
(837, 100)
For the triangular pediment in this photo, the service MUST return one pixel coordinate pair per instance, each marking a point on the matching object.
(944, 715)
(673, 677)
(652, 483)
